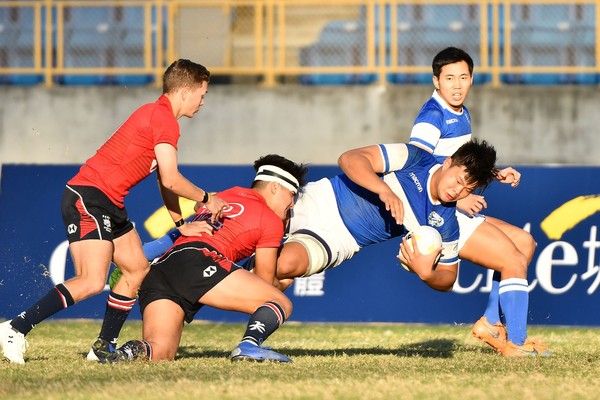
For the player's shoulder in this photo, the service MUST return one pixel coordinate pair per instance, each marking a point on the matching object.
(431, 110)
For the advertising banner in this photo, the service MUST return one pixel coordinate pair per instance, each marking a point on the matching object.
(558, 205)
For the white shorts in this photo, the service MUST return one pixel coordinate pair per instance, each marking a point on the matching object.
(316, 224)
(467, 225)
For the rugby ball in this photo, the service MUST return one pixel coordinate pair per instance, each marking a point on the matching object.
(428, 239)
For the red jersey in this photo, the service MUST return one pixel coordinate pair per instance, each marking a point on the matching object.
(128, 156)
(247, 224)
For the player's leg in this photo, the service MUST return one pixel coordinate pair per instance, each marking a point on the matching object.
(489, 247)
(162, 328)
(292, 261)
(522, 239)
(243, 291)
(130, 259)
(92, 259)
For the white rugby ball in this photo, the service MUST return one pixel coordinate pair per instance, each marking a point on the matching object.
(428, 239)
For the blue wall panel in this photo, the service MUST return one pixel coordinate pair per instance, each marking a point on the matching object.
(563, 276)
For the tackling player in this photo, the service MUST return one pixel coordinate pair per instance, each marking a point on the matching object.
(201, 270)
(441, 127)
(96, 222)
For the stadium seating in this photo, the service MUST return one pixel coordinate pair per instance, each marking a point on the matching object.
(552, 35)
(16, 44)
(340, 43)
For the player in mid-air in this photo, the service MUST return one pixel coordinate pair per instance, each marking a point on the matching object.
(201, 270)
(385, 191)
(442, 126)
(98, 228)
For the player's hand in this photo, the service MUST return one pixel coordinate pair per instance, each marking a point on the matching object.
(394, 205)
(216, 205)
(472, 204)
(196, 228)
(509, 175)
(419, 263)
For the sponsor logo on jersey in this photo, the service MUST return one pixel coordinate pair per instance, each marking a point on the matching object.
(416, 181)
(209, 271)
(451, 121)
(71, 229)
(434, 219)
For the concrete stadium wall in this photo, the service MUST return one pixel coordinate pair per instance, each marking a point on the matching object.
(528, 125)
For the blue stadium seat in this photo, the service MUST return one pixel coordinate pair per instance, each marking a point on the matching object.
(424, 30)
(340, 43)
(131, 45)
(17, 44)
(552, 35)
(90, 42)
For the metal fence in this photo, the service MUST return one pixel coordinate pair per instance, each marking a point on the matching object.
(306, 41)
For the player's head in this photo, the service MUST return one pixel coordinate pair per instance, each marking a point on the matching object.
(185, 83)
(279, 180)
(184, 73)
(453, 76)
(471, 167)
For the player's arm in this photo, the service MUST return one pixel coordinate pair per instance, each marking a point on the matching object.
(265, 264)
(171, 180)
(362, 166)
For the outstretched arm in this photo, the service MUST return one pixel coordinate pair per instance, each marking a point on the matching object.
(362, 166)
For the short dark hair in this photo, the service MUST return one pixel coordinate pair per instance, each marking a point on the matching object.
(450, 55)
(479, 159)
(183, 73)
(298, 171)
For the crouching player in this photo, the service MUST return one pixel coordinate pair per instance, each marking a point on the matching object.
(201, 270)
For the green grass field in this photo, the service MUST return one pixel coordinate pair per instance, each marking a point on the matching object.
(330, 362)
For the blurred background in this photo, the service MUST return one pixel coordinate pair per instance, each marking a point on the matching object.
(306, 76)
(309, 80)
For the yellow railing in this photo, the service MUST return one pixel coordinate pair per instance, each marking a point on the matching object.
(370, 41)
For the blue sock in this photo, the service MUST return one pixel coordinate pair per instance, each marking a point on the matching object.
(514, 300)
(492, 312)
(158, 247)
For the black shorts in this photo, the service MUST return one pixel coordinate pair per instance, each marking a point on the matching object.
(183, 275)
(89, 214)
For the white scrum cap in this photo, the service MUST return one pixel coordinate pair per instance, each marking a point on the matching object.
(271, 173)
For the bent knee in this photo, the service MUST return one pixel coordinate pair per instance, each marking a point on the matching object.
(285, 304)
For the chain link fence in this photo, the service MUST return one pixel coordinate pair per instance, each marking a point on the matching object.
(298, 41)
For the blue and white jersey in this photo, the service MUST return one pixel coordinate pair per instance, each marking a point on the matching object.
(441, 129)
(408, 171)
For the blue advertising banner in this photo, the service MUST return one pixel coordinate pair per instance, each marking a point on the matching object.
(558, 205)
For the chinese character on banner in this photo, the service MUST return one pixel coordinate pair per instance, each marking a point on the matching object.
(310, 286)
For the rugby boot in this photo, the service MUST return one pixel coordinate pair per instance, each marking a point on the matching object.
(494, 335)
(531, 348)
(101, 349)
(130, 351)
(251, 352)
(13, 343)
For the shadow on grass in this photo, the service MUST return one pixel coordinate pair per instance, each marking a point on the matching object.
(437, 348)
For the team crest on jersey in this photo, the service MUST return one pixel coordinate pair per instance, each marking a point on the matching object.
(434, 219)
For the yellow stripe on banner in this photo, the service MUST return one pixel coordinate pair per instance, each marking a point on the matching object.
(570, 214)
(160, 222)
